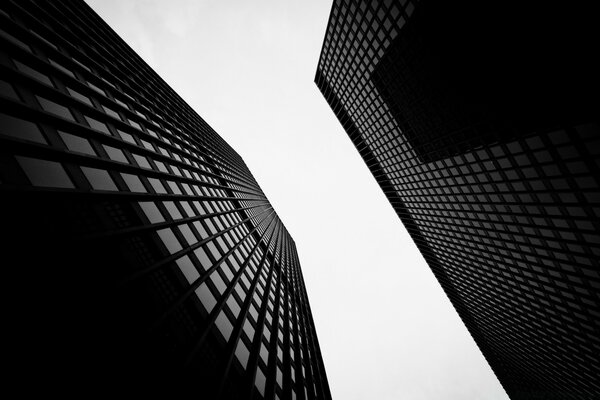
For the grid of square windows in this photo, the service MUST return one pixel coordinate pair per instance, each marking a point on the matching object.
(510, 229)
(204, 233)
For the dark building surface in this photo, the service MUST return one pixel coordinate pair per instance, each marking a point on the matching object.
(140, 257)
(479, 120)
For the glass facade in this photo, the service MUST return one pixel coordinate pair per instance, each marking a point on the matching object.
(479, 122)
(140, 252)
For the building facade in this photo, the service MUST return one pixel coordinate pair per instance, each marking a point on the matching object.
(140, 254)
(480, 123)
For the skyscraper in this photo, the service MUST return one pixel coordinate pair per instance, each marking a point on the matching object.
(140, 256)
(479, 120)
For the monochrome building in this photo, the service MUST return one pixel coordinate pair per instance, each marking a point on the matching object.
(479, 120)
(139, 254)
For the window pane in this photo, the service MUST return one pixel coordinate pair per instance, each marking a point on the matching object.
(152, 212)
(141, 160)
(54, 108)
(218, 281)
(242, 353)
(203, 258)
(224, 325)
(20, 129)
(96, 88)
(59, 66)
(112, 113)
(170, 241)
(161, 166)
(135, 124)
(213, 250)
(279, 377)
(264, 353)
(99, 178)
(75, 94)
(14, 40)
(45, 173)
(157, 185)
(134, 183)
(75, 143)
(249, 329)
(188, 234)
(172, 209)
(260, 381)
(7, 90)
(187, 208)
(127, 137)
(187, 269)
(97, 125)
(33, 73)
(174, 187)
(206, 297)
(233, 306)
(115, 154)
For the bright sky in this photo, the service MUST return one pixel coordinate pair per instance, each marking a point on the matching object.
(386, 329)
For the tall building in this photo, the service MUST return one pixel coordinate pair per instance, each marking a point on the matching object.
(479, 120)
(139, 254)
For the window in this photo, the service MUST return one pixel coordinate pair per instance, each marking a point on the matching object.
(79, 97)
(152, 212)
(227, 271)
(253, 312)
(115, 154)
(96, 88)
(35, 74)
(187, 234)
(218, 281)
(187, 269)
(7, 90)
(242, 353)
(157, 185)
(221, 243)
(246, 281)
(233, 306)
(112, 113)
(203, 258)
(161, 166)
(54, 108)
(147, 145)
(14, 40)
(126, 137)
(45, 173)
(133, 183)
(57, 65)
(200, 229)
(264, 353)
(279, 377)
(135, 124)
(249, 329)
(224, 325)
(173, 210)
(260, 381)
(99, 178)
(213, 250)
(174, 188)
(188, 209)
(141, 160)
(97, 125)
(77, 144)
(239, 289)
(20, 129)
(206, 297)
(169, 240)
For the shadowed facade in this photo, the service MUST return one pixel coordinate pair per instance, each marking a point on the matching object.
(140, 255)
(480, 123)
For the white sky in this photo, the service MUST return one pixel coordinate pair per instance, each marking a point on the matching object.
(386, 329)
